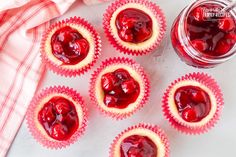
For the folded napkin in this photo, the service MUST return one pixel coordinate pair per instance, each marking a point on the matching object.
(22, 23)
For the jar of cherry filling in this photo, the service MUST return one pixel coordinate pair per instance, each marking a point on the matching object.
(204, 35)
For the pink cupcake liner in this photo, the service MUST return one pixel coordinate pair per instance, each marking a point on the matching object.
(54, 144)
(137, 68)
(65, 71)
(154, 128)
(209, 82)
(159, 15)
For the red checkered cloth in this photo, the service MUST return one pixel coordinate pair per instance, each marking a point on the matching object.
(22, 23)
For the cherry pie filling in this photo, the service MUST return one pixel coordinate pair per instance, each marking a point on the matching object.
(210, 32)
(59, 118)
(138, 146)
(134, 25)
(69, 46)
(193, 103)
(120, 89)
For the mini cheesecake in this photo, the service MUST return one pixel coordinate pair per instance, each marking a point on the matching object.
(134, 27)
(141, 140)
(70, 47)
(192, 104)
(119, 87)
(57, 117)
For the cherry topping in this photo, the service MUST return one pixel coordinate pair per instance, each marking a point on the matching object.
(59, 118)
(226, 24)
(69, 46)
(110, 100)
(198, 14)
(59, 131)
(192, 102)
(210, 34)
(138, 146)
(108, 81)
(222, 47)
(128, 86)
(57, 47)
(198, 96)
(62, 106)
(189, 115)
(122, 74)
(48, 114)
(120, 89)
(200, 45)
(126, 35)
(134, 25)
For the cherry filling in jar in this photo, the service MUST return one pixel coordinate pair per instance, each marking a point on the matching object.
(213, 36)
(134, 25)
(192, 102)
(120, 89)
(138, 146)
(69, 46)
(59, 118)
(204, 35)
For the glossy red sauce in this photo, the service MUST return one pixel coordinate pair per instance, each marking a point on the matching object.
(134, 25)
(59, 118)
(120, 89)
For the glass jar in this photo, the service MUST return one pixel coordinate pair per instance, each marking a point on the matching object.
(189, 49)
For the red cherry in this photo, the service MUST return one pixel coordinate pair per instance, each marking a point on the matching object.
(110, 100)
(112, 84)
(122, 74)
(57, 47)
(222, 47)
(134, 152)
(62, 106)
(128, 23)
(189, 114)
(80, 46)
(59, 131)
(143, 34)
(138, 146)
(198, 14)
(65, 35)
(70, 119)
(126, 35)
(133, 25)
(183, 100)
(108, 81)
(226, 24)
(231, 38)
(199, 45)
(128, 86)
(47, 114)
(198, 97)
(116, 91)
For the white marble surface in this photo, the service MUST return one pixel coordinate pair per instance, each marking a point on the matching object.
(101, 130)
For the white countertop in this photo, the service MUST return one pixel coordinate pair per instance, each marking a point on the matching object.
(101, 130)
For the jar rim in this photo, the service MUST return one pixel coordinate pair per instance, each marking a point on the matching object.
(187, 45)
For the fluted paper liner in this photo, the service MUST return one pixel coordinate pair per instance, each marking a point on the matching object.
(65, 71)
(210, 83)
(159, 16)
(138, 69)
(33, 128)
(154, 128)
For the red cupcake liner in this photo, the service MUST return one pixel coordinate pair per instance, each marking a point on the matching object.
(54, 144)
(159, 15)
(154, 128)
(133, 65)
(210, 83)
(62, 70)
